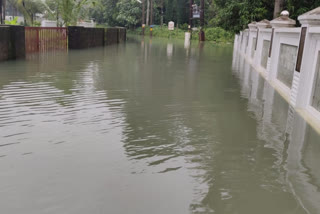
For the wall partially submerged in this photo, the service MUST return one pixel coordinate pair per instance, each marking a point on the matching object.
(12, 42)
(13, 39)
(4, 43)
(288, 57)
(80, 37)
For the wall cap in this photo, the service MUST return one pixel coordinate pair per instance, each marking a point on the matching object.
(310, 18)
(283, 21)
(264, 24)
(252, 26)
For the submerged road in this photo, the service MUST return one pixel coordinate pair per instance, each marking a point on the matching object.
(151, 126)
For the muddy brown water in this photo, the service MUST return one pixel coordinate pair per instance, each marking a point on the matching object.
(151, 126)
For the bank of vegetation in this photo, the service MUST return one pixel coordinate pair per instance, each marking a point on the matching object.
(230, 15)
(214, 34)
(221, 16)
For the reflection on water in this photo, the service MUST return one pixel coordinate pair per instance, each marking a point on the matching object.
(151, 127)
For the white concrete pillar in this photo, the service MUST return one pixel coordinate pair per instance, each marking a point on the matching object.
(240, 41)
(283, 33)
(281, 22)
(245, 41)
(262, 34)
(310, 22)
(187, 38)
(252, 40)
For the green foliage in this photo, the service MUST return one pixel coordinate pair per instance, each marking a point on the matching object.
(235, 15)
(218, 35)
(184, 26)
(68, 10)
(129, 13)
(230, 15)
(105, 12)
(29, 8)
(12, 22)
(212, 34)
(36, 23)
(298, 7)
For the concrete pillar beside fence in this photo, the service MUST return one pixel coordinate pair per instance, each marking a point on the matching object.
(252, 40)
(308, 63)
(283, 51)
(244, 43)
(262, 48)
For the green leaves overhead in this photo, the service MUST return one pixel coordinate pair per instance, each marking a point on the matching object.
(231, 15)
(69, 10)
(28, 8)
(129, 12)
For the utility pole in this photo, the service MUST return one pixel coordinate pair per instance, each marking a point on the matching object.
(143, 16)
(202, 36)
(148, 7)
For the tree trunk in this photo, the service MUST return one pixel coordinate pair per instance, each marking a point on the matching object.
(278, 7)
(143, 12)
(4, 9)
(148, 7)
(190, 13)
(57, 15)
(202, 14)
(1, 9)
(151, 12)
(161, 20)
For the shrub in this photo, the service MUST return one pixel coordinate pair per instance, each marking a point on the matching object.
(212, 34)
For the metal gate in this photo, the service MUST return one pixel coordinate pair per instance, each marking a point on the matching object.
(43, 39)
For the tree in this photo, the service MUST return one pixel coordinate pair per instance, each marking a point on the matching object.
(29, 8)
(105, 12)
(231, 15)
(68, 10)
(129, 13)
(298, 7)
(235, 15)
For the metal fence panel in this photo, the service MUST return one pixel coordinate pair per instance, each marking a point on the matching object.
(43, 39)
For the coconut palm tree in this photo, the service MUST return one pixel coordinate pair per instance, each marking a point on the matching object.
(68, 10)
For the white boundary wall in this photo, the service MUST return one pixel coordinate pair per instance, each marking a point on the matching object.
(301, 92)
(268, 108)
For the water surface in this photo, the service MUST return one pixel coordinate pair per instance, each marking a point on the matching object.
(151, 126)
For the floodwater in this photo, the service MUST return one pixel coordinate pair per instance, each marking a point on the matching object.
(151, 127)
